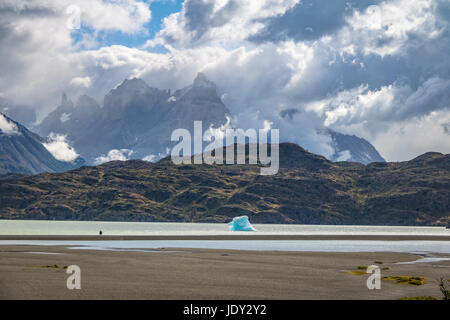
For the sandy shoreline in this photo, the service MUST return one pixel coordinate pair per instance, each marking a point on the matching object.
(228, 237)
(29, 272)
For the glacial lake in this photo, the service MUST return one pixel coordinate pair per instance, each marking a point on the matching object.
(58, 228)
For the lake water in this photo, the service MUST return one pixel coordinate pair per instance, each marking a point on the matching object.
(40, 227)
(30, 227)
(418, 247)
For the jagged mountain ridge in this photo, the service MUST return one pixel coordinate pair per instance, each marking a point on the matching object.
(137, 117)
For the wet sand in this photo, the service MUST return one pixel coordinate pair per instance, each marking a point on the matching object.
(25, 273)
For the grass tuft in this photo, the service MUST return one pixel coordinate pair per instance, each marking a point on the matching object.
(415, 281)
(362, 267)
(356, 273)
(419, 298)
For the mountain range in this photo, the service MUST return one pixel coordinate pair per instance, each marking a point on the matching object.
(135, 117)
(308, 189)
(138, 119)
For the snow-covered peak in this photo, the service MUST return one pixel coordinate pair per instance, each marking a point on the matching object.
(7, 127)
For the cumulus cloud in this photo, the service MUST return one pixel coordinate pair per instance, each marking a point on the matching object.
(409, 139)
(114, 155)
(127, 16)
(359, 67)
(393, 24)
(39, 53)
(159, 156)
(150, 158)
(81, 82)
(7, 127)
(344, 155)
(60, 148)
(309, 20)
(372, 111)
(203, 22)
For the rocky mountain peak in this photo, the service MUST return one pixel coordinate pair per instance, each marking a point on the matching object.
(202, 89)
(66, 103)
(86, 102)
(134, 85)
(202, 82)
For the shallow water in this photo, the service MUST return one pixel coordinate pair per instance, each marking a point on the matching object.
(254, 245)
(425, 260)
(41, 227)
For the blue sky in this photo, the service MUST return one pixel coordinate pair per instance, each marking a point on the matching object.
(160, 9)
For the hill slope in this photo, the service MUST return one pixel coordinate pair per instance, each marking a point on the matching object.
(22, 151)
(308, 189)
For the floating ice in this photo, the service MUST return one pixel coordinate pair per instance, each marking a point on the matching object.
(241, 224)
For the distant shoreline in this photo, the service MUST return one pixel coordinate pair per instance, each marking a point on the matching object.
(228, 237)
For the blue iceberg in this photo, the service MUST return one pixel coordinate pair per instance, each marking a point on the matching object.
(241, 224)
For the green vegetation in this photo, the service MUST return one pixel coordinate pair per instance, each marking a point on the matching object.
(356, 272)
(419, 298)
(416, 281)
(443, 286)
(308, 189)
(362, 267)
(50, 266)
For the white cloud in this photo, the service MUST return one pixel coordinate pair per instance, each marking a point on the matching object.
(407, 140)
(81, 82)
(127, 16)
(114, 155)
(344, 155)
(385, 29)
(60, 148)
(363, 78)
(217, 21)
(7, 127)
(155, 158)
(39, 57)
(150, 158)
(371, 111)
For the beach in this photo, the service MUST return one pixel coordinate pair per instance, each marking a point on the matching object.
(38, 272)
